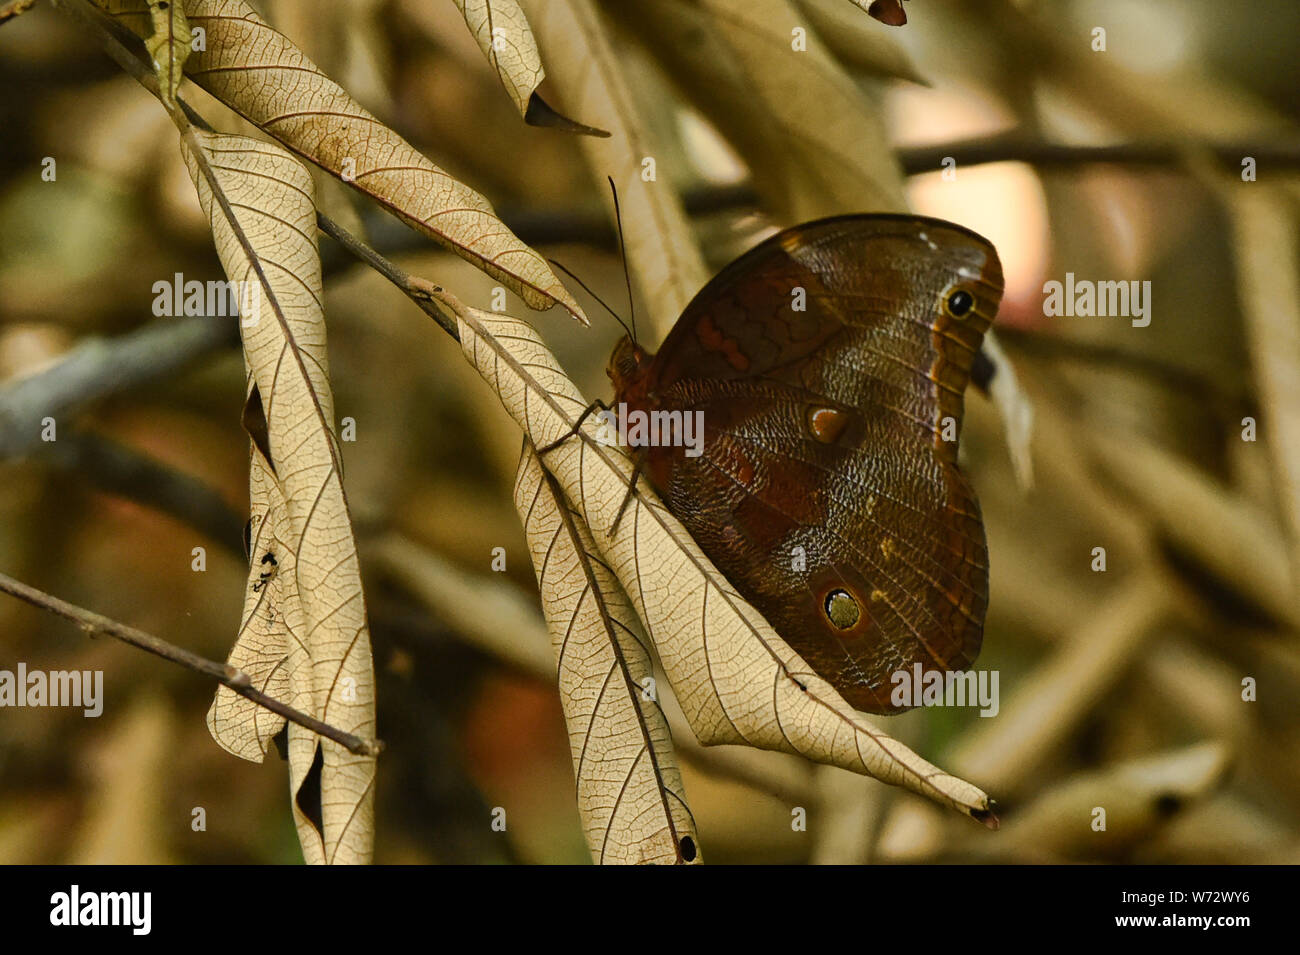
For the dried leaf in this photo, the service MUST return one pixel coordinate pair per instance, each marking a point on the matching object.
(889, 12)
(502, 33)
(268, 646)
(1268, 248)
(263, 76)
(1140, 796)
(662, 252)
(630, 792)
(813, 139)
(305, 613)
(736, 679)
(858, 43)
(169, 46)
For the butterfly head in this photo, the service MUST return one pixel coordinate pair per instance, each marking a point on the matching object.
(627, 364)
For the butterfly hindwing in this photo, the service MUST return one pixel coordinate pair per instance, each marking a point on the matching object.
(829, 364)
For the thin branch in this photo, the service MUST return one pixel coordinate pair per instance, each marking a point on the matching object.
(98, 367)
(115, 468)
(416, 289)
(94, 624)
(1015, 147)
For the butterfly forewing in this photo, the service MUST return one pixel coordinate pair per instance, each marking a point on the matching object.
(829, 364)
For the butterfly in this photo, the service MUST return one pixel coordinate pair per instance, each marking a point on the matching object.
(828, 367)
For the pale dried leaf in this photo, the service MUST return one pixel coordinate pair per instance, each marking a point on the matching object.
(662, 252)
(813, 139)
(168, 46)
(1138, 796)
(736, 679)
(306, 525)
(858, 43)
(268, 647)
(630, 792)
(1268, 249)
(263, 76)
(501, 31)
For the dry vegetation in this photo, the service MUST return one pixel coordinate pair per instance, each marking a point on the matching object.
(1120, 689)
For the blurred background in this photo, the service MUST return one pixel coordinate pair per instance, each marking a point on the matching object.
(1120, 689)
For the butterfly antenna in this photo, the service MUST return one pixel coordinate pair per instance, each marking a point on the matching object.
(622, 251)
(585, 288)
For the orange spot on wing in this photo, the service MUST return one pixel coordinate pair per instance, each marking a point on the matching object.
(826, 424)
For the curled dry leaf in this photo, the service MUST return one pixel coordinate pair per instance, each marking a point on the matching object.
(858, 43)
(813, 139)
(630, 792)
(263, 76)
(503, 34)
(736, 679)
(304, 635)
(890, 12)
(168, 45)
(662, 253)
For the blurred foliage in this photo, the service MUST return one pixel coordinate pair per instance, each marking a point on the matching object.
(1136, 671)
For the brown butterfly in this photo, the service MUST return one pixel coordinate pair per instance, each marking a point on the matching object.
(829, 365)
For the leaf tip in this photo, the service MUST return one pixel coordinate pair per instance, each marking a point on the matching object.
(987, 816)
(541, 113)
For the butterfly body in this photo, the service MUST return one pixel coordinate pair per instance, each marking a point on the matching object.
(828, 365)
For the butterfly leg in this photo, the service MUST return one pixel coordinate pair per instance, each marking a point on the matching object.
(637, 466)
(577, 426)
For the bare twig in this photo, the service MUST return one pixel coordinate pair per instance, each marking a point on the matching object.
(1015, 147)
(94, 624)
(117, 469)
(417, 290)
(97, 368)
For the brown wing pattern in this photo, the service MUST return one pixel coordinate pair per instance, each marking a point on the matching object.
(826, 491)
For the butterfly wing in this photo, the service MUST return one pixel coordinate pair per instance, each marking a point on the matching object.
(829, 365)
